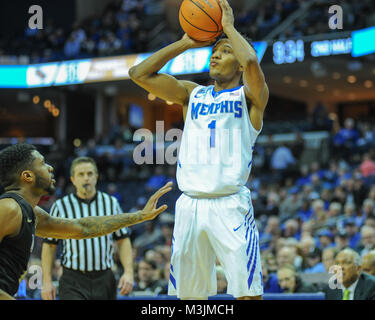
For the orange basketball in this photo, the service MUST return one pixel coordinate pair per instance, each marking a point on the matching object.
(201, 19)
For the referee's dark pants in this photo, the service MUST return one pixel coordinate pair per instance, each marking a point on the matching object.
(92, 285)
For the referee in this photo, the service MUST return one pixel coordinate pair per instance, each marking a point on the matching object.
(87, 263)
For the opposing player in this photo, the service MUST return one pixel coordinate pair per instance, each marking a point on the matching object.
(26, 177)
(214, 215)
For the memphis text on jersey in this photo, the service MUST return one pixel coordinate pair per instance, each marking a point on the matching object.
(201, 109)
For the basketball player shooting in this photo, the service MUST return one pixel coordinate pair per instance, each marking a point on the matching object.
(214, 215)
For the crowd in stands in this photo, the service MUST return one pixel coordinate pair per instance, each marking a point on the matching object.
(356, 15)
(125, 26)
(122, 28)
(306, 212)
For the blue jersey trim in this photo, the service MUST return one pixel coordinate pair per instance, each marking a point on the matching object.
(215, 94)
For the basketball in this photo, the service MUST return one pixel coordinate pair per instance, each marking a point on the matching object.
(201, 19)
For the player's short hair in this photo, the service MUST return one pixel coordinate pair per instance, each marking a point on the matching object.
(80, 160)
(224, 36)
(14, 160)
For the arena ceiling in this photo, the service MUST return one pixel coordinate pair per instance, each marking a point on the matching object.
(333, 79)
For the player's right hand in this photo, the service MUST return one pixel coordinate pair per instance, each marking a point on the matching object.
(196, 44)
(150, 211)
(48, 291)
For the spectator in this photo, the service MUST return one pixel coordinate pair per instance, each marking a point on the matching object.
(367, 166)
(352, 231)
(146, 284)
(155, 256)
(158, 179)
(314, 262)
(304, 177)
(305, 211)
(285, 256)
(346, 139)
(273, 226)
(151, 236)
(355, 285)
(298, 146)
(72, 47)
(221, 280)
(367, 240)
(306, 245)
(290, 206)
(272, 205)
(326, 196)
(359, 190)
(290, 281)
(112, 191)
(326, 238)
(319, 214)
(367, 210)
(334, 212)
(316, 183)
(270, 261)
(371, 193)
(167, 232)
(328, 258)
(165, 278)
(320, 118)
(349, 210)
(291, 229)
(307, 228)
(270, 282)
(370, 221)
(281, 160)
(368, 262)
(342, 240)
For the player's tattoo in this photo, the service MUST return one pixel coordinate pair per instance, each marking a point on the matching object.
(98, 226)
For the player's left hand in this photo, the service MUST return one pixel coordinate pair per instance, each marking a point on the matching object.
(150, 211)
(227, 18)
(126, 283)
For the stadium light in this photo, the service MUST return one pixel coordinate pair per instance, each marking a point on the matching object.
(351, 79)
(363, 42)
(36, 99)
(47, 104)
(368, 84)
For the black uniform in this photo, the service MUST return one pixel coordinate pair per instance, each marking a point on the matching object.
(15, 251)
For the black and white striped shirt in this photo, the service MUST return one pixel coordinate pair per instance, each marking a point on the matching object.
(95, 254)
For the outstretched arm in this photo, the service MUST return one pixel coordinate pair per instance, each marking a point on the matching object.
(89, 227)
(163, 85)
(254, 82)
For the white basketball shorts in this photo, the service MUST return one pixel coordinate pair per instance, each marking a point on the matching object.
(208, 228)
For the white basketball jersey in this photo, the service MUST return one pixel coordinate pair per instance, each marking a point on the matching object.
(217, 143)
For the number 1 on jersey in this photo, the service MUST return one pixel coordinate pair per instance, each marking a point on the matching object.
(212, 126)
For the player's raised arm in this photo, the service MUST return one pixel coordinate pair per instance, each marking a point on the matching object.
(89, 227)
(254, 82)
(162, 85)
